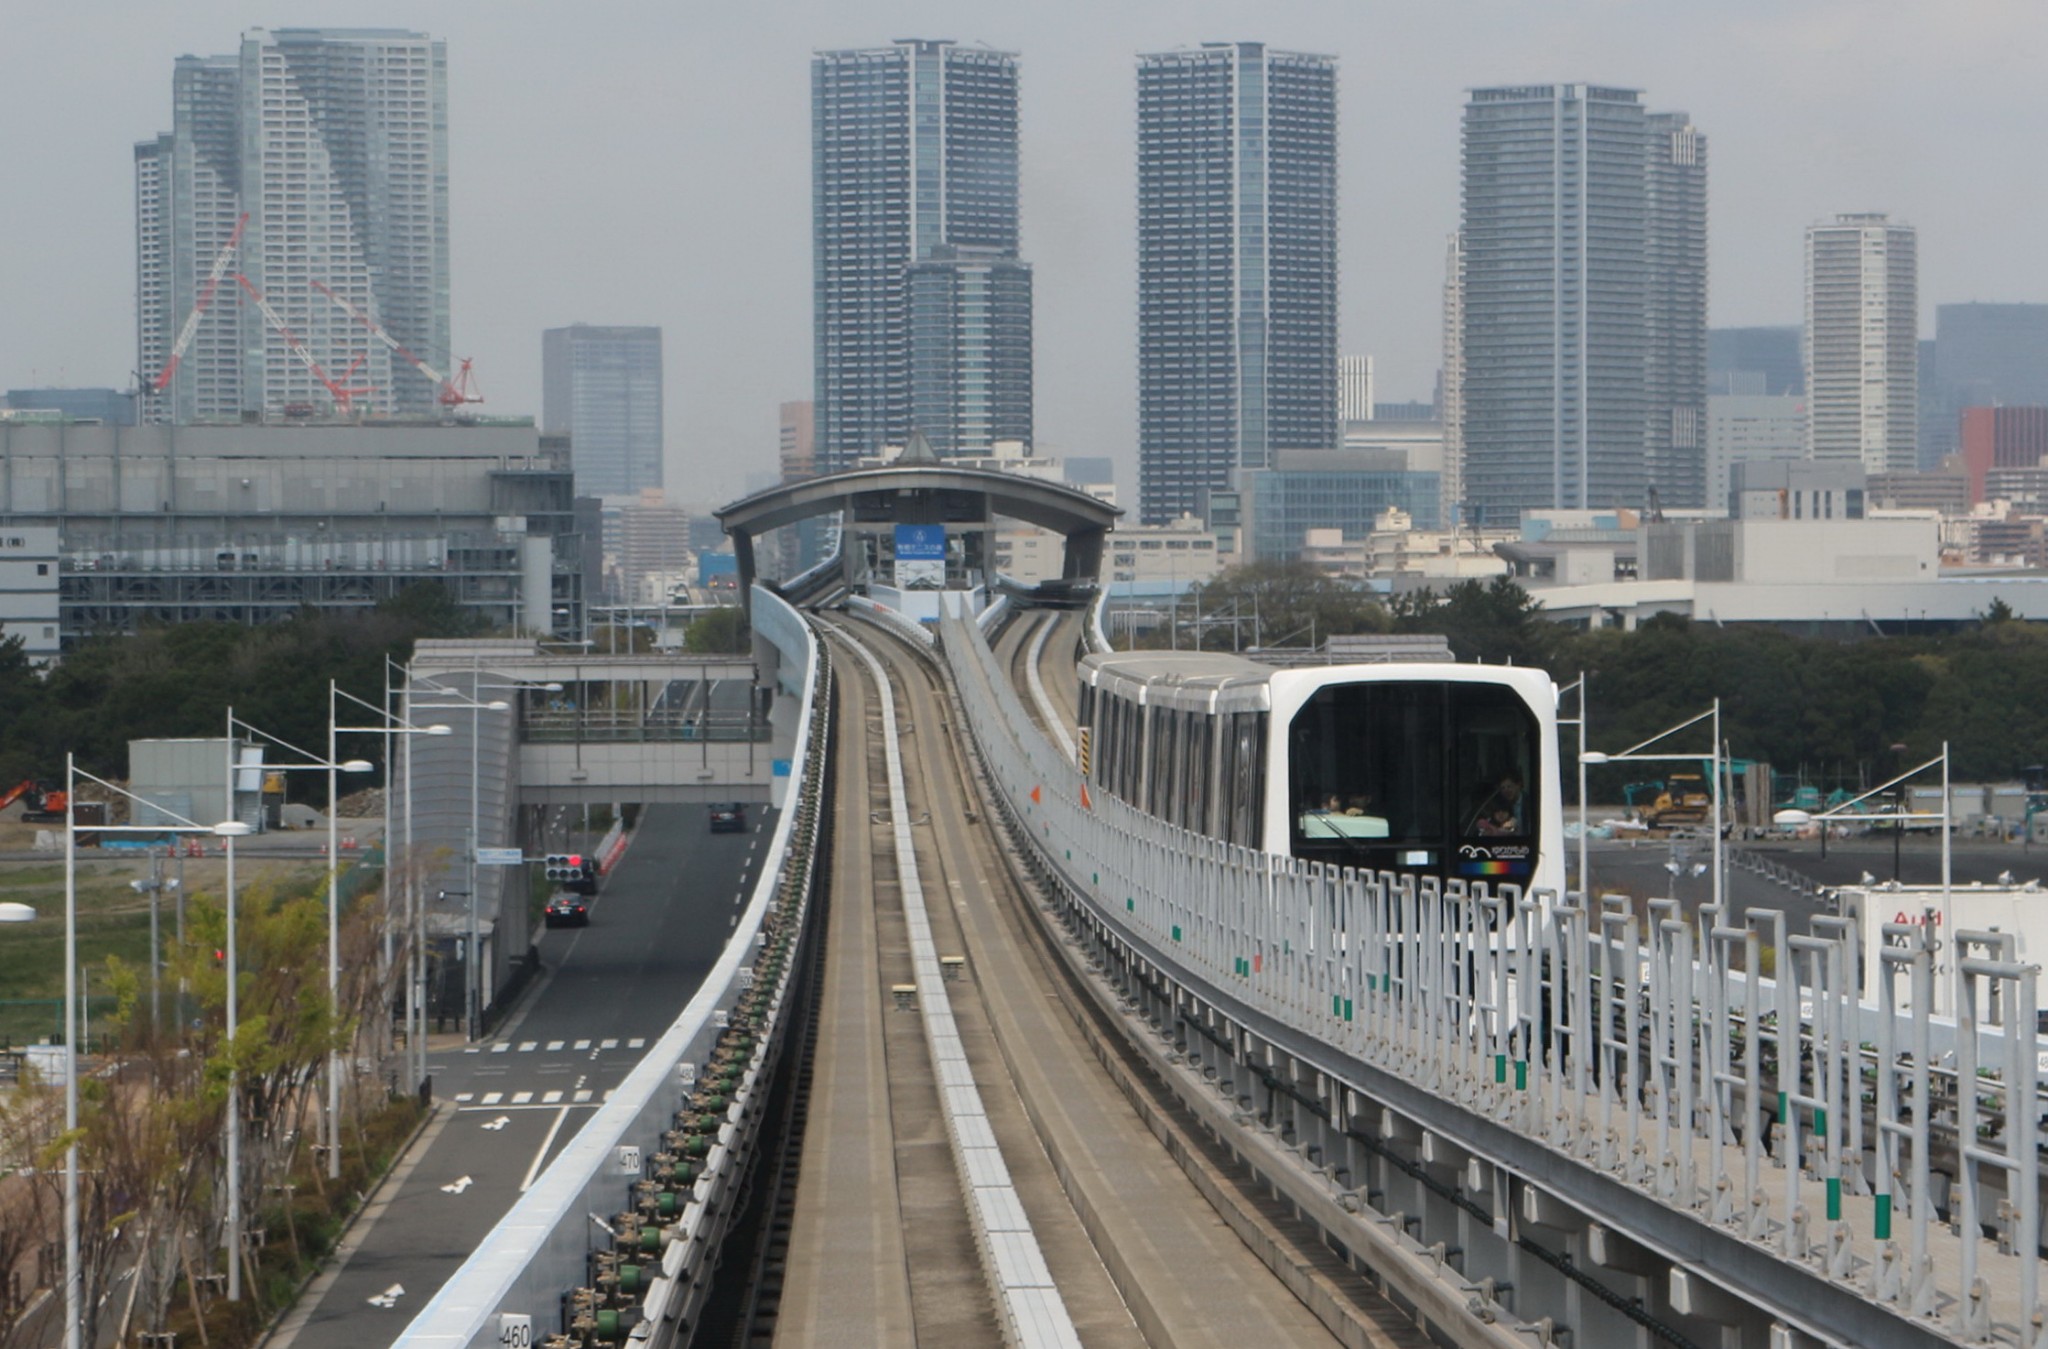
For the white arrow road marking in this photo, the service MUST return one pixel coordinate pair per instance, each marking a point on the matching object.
(389, 1297)
(498, 1123)
(542, 1155)
(458, 1186)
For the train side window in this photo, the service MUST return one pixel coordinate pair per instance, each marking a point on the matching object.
(1249, 754)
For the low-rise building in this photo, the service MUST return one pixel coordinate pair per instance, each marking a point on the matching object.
(252, 522)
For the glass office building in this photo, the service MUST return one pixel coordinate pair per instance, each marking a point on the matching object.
(1237, 266)
(921, 307)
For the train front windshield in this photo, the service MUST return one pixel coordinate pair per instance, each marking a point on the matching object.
(1433, 778)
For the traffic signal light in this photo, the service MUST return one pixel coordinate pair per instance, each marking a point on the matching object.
(562, 866)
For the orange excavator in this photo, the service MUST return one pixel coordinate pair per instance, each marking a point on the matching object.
(41, 802)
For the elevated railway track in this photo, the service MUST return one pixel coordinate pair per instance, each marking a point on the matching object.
(1076, 1077)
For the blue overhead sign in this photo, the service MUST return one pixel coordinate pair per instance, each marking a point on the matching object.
(920, 543)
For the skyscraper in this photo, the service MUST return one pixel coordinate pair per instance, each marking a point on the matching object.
(601, 387)
(1584, 301)
(1862, 345)
(922, 308)
(334, 143)
(1451, 385)
(1237, 266)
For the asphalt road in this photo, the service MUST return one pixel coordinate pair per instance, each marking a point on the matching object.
(605, 993)
(1639, 868)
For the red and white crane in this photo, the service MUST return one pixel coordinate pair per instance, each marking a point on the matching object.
(344, 397)
(449, 393)
(213, 280)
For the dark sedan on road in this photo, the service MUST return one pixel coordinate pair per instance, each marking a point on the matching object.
(568, 911)
(729, 817)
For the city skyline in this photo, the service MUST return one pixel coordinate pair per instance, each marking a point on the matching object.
(1838, 108)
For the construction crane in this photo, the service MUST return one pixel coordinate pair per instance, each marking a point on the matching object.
(213, 279)
(449, 393)
(344, 397)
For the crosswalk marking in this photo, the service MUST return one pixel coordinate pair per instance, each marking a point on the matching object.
(582, 1044)
(581, 1096)
(521, 1097)
(500, 1049)
(461, 1096)
(529, 1046)
(554, 1045)
(550, 1097)
(636, 1043)
(609, 1044)
(493, 1097)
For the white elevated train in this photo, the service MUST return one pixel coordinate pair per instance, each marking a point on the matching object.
(1428, 769)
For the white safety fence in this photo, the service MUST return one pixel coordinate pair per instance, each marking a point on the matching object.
(1630, 1044)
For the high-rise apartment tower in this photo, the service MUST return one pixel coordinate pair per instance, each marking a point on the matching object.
(1862, 343)
(922, 309)
(1584, 301)
(601, 387)
(334, 142)
(1237, 266)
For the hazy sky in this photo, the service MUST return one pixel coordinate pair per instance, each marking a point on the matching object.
(649, 163)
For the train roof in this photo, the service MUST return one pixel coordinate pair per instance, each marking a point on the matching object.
(1224, 682)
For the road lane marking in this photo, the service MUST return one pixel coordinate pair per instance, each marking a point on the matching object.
(582, 1044)
(609, 1044)
(527, 1047)
(637, 1042)
(389, 1297)
(457, 1186)
(493, 1097)
(497, 1049)
(554, 1045)
(498, 1123)
(546, 1143)
(550, 1098)
(582, 1096)
(521, 1097)
(462, 1096)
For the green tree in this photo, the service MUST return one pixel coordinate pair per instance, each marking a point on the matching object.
(721, 630)
(1496, 622)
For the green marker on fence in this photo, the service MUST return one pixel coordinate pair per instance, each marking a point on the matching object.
(1882, 1225)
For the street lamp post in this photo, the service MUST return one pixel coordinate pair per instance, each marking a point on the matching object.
(389, 724)
(73, 1283)
(331, 1130)
(473, 994)
(1634, 754)
(1579, 722)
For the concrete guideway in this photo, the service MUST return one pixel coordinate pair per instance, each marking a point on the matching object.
(1105, 1197)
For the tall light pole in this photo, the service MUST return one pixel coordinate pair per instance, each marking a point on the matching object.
(331, 1129)
(230, 830)
(474, 995)
(1579, 684)
(73, 1282)
(388, 725)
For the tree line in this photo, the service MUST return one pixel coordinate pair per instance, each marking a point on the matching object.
(1835, 712)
